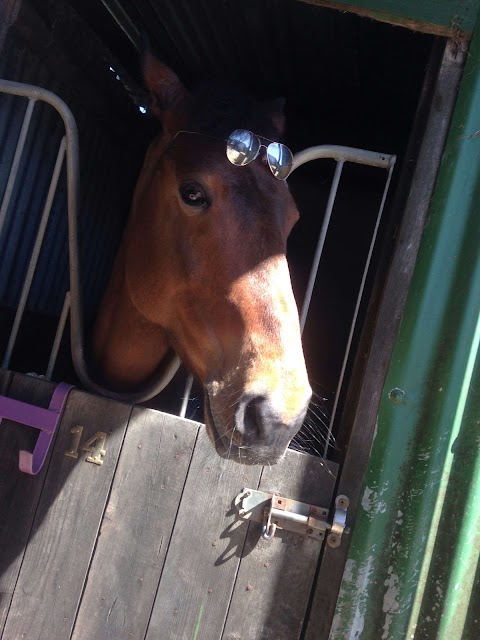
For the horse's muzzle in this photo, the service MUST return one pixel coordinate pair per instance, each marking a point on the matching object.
(255, 433)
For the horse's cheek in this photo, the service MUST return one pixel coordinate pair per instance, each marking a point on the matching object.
(147, 283)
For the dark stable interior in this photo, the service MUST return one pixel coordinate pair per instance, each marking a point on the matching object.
(347, 81)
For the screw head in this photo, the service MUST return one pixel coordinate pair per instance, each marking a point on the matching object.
(397, 396)
(333, 541)
(342, 502)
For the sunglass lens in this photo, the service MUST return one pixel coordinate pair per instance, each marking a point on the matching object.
(280, 160)
(242, 147)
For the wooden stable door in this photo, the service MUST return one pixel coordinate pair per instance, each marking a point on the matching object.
(130, 531)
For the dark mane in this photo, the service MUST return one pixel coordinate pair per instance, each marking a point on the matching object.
(218, 109)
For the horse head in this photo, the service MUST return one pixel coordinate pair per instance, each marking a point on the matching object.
(202, 269)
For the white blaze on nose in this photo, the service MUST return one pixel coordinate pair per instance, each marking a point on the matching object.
(276, 366)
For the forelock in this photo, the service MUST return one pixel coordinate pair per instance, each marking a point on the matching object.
(218, 109)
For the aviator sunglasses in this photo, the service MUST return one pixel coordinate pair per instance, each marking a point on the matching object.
(243, 147)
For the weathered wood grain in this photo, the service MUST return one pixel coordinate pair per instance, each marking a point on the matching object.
(275, 578)
(215, 564)
(19, 492)
(204, 553)
(66, 524)
(136, 528)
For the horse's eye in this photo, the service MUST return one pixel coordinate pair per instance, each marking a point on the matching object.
(193, 195)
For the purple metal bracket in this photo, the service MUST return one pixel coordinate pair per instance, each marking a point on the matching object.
(46, 420)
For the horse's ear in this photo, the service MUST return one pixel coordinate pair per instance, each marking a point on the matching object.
(169, 98)
(276, 110)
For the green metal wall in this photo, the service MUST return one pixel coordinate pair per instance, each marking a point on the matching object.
(432, 16)
(412, 570)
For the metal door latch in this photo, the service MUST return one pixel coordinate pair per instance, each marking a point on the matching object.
(276, 512)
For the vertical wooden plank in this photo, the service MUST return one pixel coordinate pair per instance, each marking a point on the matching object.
(206, 545)
(136, 528)
(19, 492)
(275, 578)
(66, 523)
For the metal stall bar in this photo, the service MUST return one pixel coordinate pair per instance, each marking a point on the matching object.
(121, 17)
(76, 320)
(16, 162)
(27, 283)
(357, 308)
(341, 155)
(186, 396)
(321, 241)
(58, 336)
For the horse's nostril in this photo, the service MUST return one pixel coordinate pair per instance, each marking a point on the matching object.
(252, 418)
(249, 419)
(258, 422)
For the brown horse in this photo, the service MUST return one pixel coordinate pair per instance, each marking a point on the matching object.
(202, 269)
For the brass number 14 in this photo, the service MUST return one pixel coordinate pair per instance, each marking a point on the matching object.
(94, 445)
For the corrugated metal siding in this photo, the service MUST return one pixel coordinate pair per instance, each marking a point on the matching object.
(31, 186)
(322, 60)
(108, 173)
